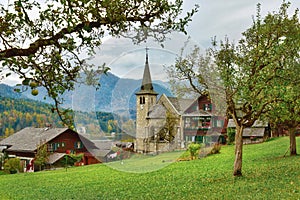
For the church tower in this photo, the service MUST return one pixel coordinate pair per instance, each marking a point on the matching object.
(145, 98)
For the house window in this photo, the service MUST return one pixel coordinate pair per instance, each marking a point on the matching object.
(54, 146)
(63, 144)
(206, 122)
(200, 122)
(78, 145)
(187, 122)
(207, 107)
(49, 147)
(220, 123)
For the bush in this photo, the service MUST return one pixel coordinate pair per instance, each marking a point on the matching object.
(12, 165)
(185, 156)
(71, 159)
(194, 150)
(231, 135)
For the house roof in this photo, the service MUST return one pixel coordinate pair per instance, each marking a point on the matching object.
(2, 148)
(257, 132)
(98, 148)
(27, 139)
(55, 157)
(198, 113)
(256, 124)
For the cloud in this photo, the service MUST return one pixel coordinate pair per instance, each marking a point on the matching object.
(227, 18)
(127, 60)
(218, 18)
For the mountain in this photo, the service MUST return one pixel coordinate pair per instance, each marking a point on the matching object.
(114, 94)
(7, 91)
(114, 100)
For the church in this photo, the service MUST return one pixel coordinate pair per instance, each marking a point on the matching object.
(170, 123)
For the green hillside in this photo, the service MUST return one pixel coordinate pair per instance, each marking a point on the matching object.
(267, 175)
(16, 114)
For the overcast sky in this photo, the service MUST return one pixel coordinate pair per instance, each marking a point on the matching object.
(218, 18)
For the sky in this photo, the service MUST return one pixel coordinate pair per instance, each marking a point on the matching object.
(217, 18)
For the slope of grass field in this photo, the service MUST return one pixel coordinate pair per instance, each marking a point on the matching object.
(267, 175)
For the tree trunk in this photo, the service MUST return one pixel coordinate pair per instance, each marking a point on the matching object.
(237, 171)
(293, 150)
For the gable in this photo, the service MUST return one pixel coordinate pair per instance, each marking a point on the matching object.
(202, 103)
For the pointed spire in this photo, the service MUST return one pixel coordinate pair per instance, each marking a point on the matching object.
(147, 86)
(147, 56)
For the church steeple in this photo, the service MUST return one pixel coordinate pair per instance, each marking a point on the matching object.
(147, 87)
(145, 99)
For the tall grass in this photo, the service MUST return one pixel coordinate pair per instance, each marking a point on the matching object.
(267, 175)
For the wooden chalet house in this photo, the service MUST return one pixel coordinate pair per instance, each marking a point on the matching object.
(201, 125)
(60, 142)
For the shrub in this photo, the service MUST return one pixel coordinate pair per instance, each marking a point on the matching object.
(185, 156)
(194, 150)
(12, 165)
(71, 159)
(42, 156)
(231, 135)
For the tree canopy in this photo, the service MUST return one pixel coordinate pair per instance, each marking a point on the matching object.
(257, 74)
(46, 43)
(253, 71)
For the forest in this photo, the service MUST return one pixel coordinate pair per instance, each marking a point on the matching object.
(18, 113)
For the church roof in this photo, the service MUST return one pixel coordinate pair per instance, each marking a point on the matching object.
(147, 87)
(157, 111)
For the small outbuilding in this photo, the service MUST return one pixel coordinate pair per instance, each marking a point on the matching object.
(259, 132)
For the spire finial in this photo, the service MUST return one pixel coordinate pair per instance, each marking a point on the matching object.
(147, 54)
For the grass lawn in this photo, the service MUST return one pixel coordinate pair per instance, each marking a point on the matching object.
(267, 175)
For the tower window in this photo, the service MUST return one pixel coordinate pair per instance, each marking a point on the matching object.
(142, 100)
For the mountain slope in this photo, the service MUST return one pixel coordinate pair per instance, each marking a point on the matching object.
(7, 91)
(114, 94)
